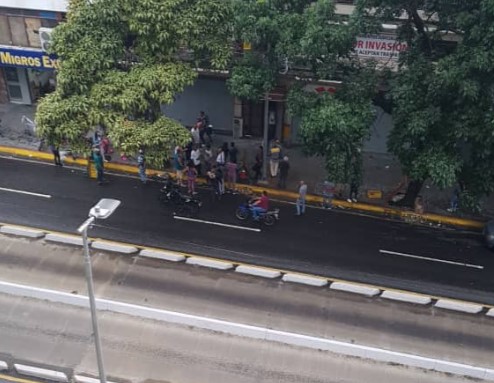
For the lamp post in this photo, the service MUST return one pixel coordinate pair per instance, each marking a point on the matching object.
(102, 210)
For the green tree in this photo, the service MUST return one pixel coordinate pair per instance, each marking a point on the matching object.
(442, 93)
(122, 60)
(308, 39)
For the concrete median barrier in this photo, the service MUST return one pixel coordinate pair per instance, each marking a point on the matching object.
(3, 366)
(87, 379)
(41, 373)
(114, 247)
(22, 232)
(490, 313)
(163, 255)
(355, 288)
(464, 307)
(211, 263)
(65, 239)
(258, 271)
(406, 297)
(305, 279)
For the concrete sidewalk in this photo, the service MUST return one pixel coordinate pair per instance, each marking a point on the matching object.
(381, 172)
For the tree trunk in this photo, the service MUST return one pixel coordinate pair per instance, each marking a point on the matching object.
(413, 189)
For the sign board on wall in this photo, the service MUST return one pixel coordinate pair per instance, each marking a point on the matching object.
(380, 47)
(27, 58)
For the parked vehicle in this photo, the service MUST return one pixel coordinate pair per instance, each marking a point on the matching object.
(269, 218)
(170, 194)
(489, 234)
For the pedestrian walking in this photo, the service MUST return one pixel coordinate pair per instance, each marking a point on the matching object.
(99, 165)
(231, 176)
(283, 172)
(54, 148)
(178, 164)
(141, 165)
(195, 157)
(191, 173)
(275, 155)
(302, 194)
(233, 153)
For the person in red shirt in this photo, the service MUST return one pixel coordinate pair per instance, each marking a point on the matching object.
(261, 205)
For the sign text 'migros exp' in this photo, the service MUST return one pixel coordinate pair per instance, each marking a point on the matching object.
(379, 47)
(23, 58)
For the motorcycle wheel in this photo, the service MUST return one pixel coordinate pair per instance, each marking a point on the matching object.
(269, 220)
(242, 213)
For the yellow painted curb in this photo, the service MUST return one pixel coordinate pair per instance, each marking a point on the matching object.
(287, 195)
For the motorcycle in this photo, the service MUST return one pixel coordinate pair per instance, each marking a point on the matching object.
(184, 204)
(269, 218)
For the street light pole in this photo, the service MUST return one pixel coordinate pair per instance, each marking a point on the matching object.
(102, 210)
(92, 301)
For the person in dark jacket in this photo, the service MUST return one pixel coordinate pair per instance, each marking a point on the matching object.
(283, 172)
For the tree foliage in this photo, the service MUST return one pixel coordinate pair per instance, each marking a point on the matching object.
(122, 59)
(443, 91)
(307, 39)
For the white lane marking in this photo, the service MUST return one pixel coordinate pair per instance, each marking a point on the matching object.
(26, 192)
(249, 331)
(217, 223)
(432, 259)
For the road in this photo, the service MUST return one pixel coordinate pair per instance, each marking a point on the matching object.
(146, 351)
(318, 312)
(330, 243)
(58, 336)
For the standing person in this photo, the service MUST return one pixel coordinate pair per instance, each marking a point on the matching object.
(354, 184)
(260, 205)
(195, 157)
(178, 164)
(225, 149)
(203, 125)
(284, 167)
(328, 190)
(191, 173)
(141, 164)
(231, 175)
(257, 168)
(207, 155)
(302, 194)
(220, 179)
(274, 157)
(195, 133)
(54, 148)
(220, 158)
(233, 153)
(99, 165)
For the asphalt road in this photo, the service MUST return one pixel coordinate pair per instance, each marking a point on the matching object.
(229, 296)
(139, 350)
(330, 243)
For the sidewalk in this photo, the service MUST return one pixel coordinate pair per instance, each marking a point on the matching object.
(381, 172)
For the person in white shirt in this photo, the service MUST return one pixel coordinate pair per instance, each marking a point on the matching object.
(196, 139)
(195, 157)
(220, 158)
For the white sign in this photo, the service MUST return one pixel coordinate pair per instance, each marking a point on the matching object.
(379, 47)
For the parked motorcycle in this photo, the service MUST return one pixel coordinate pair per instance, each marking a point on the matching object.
(170, 194)
(269, 218)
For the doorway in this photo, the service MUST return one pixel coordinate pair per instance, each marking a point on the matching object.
(17, 86)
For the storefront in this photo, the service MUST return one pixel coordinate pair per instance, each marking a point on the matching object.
(26, 74)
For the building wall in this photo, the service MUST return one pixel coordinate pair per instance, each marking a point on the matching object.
(4, 97)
